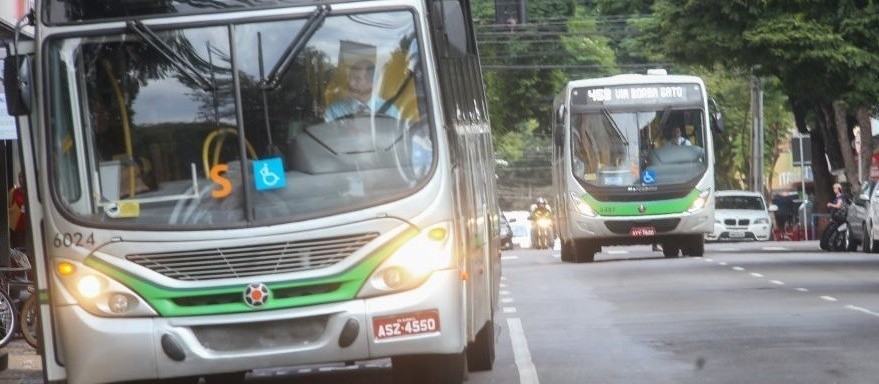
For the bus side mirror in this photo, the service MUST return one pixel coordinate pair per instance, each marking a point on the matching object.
(16, 83)
(716, 116)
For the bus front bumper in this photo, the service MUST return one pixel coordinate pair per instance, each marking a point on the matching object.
(633, 230)
(98, 349)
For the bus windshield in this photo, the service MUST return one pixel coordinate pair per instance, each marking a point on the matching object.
(238, 124)
(630, 147)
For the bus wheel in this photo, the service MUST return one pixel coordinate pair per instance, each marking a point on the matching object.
(696, 246)
(480, 353)
(669, 250)
(585, 251)
(569, 252)
(429, 369)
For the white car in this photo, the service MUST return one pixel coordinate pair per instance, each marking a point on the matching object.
(740, 215)
(521, 227)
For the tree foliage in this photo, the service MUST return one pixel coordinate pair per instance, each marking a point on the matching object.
(824, 55)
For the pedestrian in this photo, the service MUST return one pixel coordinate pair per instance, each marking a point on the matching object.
(17, 216)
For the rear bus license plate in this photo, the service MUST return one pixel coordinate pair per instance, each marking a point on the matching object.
(642, 231)
(406, 324)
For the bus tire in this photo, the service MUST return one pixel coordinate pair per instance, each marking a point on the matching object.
(569, 251)
(696, 247)
(584, 251)
(429, 369)
(670, 251)
(480, 353)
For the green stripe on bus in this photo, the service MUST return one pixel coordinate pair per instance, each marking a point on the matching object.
(631, 208)
(165, 299)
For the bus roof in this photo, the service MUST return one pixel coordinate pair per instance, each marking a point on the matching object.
(633, 78)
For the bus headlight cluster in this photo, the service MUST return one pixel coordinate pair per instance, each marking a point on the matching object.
(429, 251)
(99, 294)
(582, 206)
(700, 201)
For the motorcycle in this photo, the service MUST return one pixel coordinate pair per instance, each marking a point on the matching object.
(543, 238)
(837, 236)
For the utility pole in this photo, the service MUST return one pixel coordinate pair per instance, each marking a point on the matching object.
(757, 178)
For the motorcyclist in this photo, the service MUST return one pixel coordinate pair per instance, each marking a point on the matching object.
(541, 214)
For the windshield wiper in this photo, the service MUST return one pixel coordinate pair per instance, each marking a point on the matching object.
(183, 65)
(297, 45)
(616, 128)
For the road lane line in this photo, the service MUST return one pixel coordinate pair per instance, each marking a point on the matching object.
(507, 300)
(527, 371)
(509, 257)
(723, 263)
(509, 309)
(864, 310)
(828, 298)
(776, 282)
(738, 269)
(802, 290)
(775, 249)
(755, 274)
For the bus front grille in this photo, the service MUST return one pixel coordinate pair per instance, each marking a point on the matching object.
(252, 260)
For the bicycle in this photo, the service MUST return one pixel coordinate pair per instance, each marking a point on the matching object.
(18, 300)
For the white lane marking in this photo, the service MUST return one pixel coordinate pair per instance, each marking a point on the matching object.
(738, 269)
(864, 310)
(503, 285)
(527, 371)
(755, 274)
(504, 292)
(776, 249)
(510, 257)
(509, 309)
(616, 252)
(708, 259)
(723, 263)
(828, 298)
(776, 282)
(503, 278)
(342, 368)
(802, 290)
(507, 300)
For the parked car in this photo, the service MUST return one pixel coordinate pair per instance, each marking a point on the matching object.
(521, 227)
(859, 222)
(506, 233)
(740, 215)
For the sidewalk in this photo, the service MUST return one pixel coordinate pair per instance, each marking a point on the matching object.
(25, 366)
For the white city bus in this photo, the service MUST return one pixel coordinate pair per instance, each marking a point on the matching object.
(201, 213)
(620, 173)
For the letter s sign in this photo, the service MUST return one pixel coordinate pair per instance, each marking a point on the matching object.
(225, 184)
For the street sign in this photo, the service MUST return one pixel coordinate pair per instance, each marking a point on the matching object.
(801, 149)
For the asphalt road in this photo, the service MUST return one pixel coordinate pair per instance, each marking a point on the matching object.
(777, 312)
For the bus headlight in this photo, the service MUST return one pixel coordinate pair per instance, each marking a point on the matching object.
(99, 294)
(582, 206)
(412, 264)
(700, 201)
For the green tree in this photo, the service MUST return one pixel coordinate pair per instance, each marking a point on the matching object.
(824, 55)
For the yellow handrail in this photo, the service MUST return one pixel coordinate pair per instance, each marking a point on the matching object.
(205, 149)
(126, 128)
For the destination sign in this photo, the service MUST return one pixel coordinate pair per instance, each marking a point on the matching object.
(638, 94)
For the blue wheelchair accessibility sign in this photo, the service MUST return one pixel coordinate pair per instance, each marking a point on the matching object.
(648, 176)
(269, 174)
